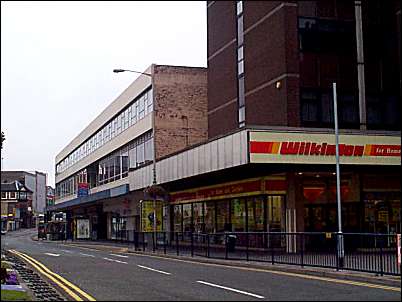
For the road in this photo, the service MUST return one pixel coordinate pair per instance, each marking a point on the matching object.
(116, 276)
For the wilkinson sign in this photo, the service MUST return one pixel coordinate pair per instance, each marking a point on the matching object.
(314, 148)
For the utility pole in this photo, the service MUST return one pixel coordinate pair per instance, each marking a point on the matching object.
(340, 247)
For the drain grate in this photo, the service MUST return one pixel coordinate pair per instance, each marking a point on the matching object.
(42, 290)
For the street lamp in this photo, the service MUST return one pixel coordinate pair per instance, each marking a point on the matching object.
(153, 190)
(123, 70)
(338, 184)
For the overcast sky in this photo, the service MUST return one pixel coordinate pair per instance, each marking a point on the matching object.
(57, 60)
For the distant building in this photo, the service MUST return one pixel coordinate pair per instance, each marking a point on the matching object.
(34, 181)
(16, 206)
(49, 196)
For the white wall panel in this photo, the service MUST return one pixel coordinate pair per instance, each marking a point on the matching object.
(219, 154)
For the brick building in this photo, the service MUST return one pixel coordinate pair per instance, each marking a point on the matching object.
(269, 162)
(97, 181)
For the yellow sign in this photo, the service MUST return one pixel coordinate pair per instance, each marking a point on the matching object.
(147, 215)
(328, 235)
(383, 216)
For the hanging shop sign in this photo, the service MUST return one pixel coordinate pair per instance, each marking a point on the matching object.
(313, 148)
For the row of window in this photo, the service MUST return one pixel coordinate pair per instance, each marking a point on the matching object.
(131, 156)
(111, 168)
(14, 195)
(240, 64)
(137, 110)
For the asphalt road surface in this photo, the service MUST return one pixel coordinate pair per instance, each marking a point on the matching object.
(115, 276)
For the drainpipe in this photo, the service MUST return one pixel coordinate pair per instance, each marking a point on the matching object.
(360, 66)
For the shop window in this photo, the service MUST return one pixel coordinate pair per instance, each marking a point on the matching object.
(238, 214)
(223, 216)
(198, 217)
(255, 207)
(177, 218)
(209, 217)
(187, 217)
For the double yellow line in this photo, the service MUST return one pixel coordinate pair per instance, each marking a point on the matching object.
(67, 286)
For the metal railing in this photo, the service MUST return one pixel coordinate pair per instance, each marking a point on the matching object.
(373, 253)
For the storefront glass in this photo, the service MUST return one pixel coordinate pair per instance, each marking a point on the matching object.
(187, 225)
(222, 216)
(275, 207)
(198, 214)
(177, 218)
(255, 207)
(238, 215)
(210, 217)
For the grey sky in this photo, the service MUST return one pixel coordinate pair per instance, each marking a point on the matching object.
(57, 60)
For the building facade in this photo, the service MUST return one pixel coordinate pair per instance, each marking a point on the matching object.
(35, 181)
(265, 160)
(16, 206)
(161, 112)
(270, 157)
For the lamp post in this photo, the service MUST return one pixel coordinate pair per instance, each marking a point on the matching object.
(154, 186)
(338, 182)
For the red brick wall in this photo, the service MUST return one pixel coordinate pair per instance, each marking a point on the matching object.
(180, 107)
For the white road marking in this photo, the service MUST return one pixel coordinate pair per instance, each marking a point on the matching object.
(70, 252)
(118, 261)
(122, 256)
(87, 255)
(155, 270)
(54, 255)
(232, 289)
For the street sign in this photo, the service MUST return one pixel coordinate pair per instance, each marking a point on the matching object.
(82, 189)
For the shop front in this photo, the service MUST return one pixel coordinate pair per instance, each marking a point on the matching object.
(251, 205)
(370, 184)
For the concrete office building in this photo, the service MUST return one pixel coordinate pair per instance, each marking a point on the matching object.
(100, 174)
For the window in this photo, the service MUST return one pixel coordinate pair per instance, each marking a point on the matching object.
(149, 150)
(12, 195)
(239, 7)
(140, 153)
(187, 217)
(240, 30)
(240, 67)
(177, 218)
(242, 114)
(141, 107)
(3, 195)
(238, 211)
(132, 153)
(124, 162)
